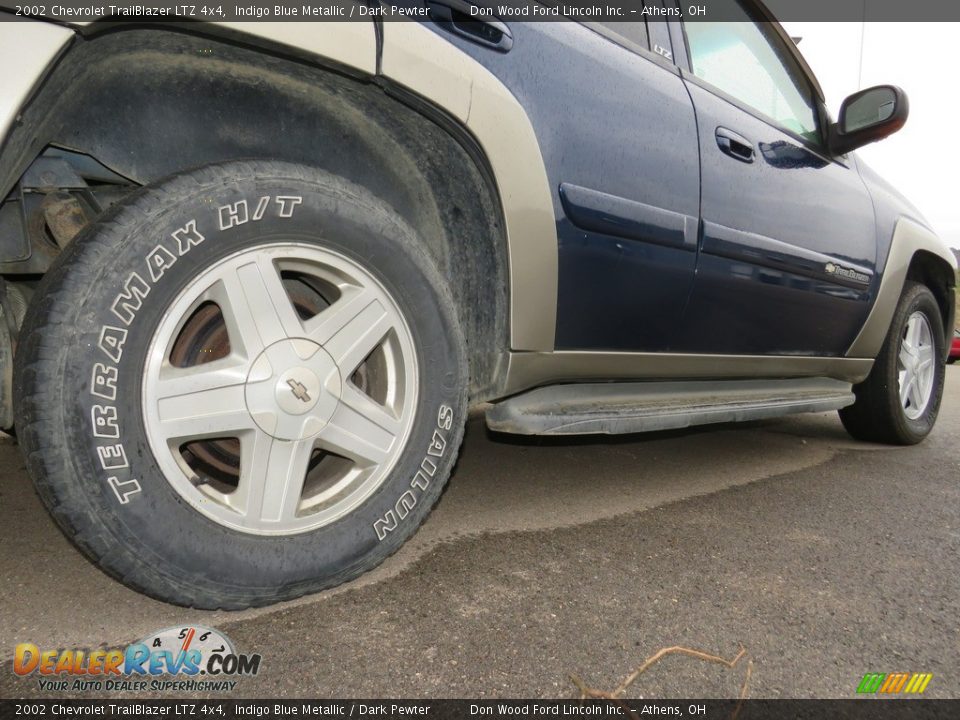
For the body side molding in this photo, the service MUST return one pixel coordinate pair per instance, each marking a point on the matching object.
(612, 215)
(423, 62)
(760, 250)
(909, 237)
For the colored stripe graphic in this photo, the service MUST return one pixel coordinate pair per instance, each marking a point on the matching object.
(871, 682)
(918, 683)
(893, 683)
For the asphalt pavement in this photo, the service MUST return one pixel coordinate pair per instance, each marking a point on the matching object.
(823, 557)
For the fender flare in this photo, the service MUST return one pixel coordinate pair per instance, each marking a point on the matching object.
(909, 238)
(426, 64)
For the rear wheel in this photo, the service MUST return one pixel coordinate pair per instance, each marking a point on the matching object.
(247, 384)
(899, 401)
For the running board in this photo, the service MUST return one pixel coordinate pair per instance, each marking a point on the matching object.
(617, 408)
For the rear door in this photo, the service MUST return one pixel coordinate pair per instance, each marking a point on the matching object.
(787, 246)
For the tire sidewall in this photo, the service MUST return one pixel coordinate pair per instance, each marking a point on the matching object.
(102, 384)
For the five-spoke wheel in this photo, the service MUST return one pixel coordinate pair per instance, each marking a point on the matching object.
(304, 403)
(917, 366)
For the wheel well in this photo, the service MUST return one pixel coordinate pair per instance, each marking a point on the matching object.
(932, 271)
(147, 103)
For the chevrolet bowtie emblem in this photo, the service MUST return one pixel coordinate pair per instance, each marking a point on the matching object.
(299, 390)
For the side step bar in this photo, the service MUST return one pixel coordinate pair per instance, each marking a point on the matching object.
(616, 408)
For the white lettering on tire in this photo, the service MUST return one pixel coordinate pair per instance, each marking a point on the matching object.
(124, 489)
(103, 384)
(129, 301)
(232, 215)
(445, 417)
(105, 420)
(159, 261)
(187, 237)
(287, 204)
(238, 213)
(261, 207)
(421, 480)
(113, 457)
(111, 341)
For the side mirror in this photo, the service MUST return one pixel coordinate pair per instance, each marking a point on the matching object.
(868, 116)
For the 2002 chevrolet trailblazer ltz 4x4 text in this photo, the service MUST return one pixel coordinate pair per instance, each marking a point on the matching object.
(255, 274)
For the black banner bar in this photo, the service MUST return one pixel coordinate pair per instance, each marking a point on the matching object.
(863, 709)
(508, 10)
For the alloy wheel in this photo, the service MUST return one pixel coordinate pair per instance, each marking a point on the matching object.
(916, 366)
(280, 388)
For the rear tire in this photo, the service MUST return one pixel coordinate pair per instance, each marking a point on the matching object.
(246, 383)
(899, 401)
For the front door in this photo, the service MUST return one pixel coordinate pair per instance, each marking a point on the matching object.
(618, 136)
(787, 245)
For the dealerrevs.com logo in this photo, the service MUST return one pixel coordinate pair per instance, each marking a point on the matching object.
(187, 659)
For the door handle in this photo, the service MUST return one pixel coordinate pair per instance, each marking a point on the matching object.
(455, 17)
(736, 146)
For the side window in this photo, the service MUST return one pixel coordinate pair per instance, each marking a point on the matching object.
(746, 60)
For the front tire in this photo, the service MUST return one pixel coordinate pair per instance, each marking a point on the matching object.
(899, 401)
(246, 384)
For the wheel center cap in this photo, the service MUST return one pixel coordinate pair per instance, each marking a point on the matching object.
(298, 390)
(292, 390)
